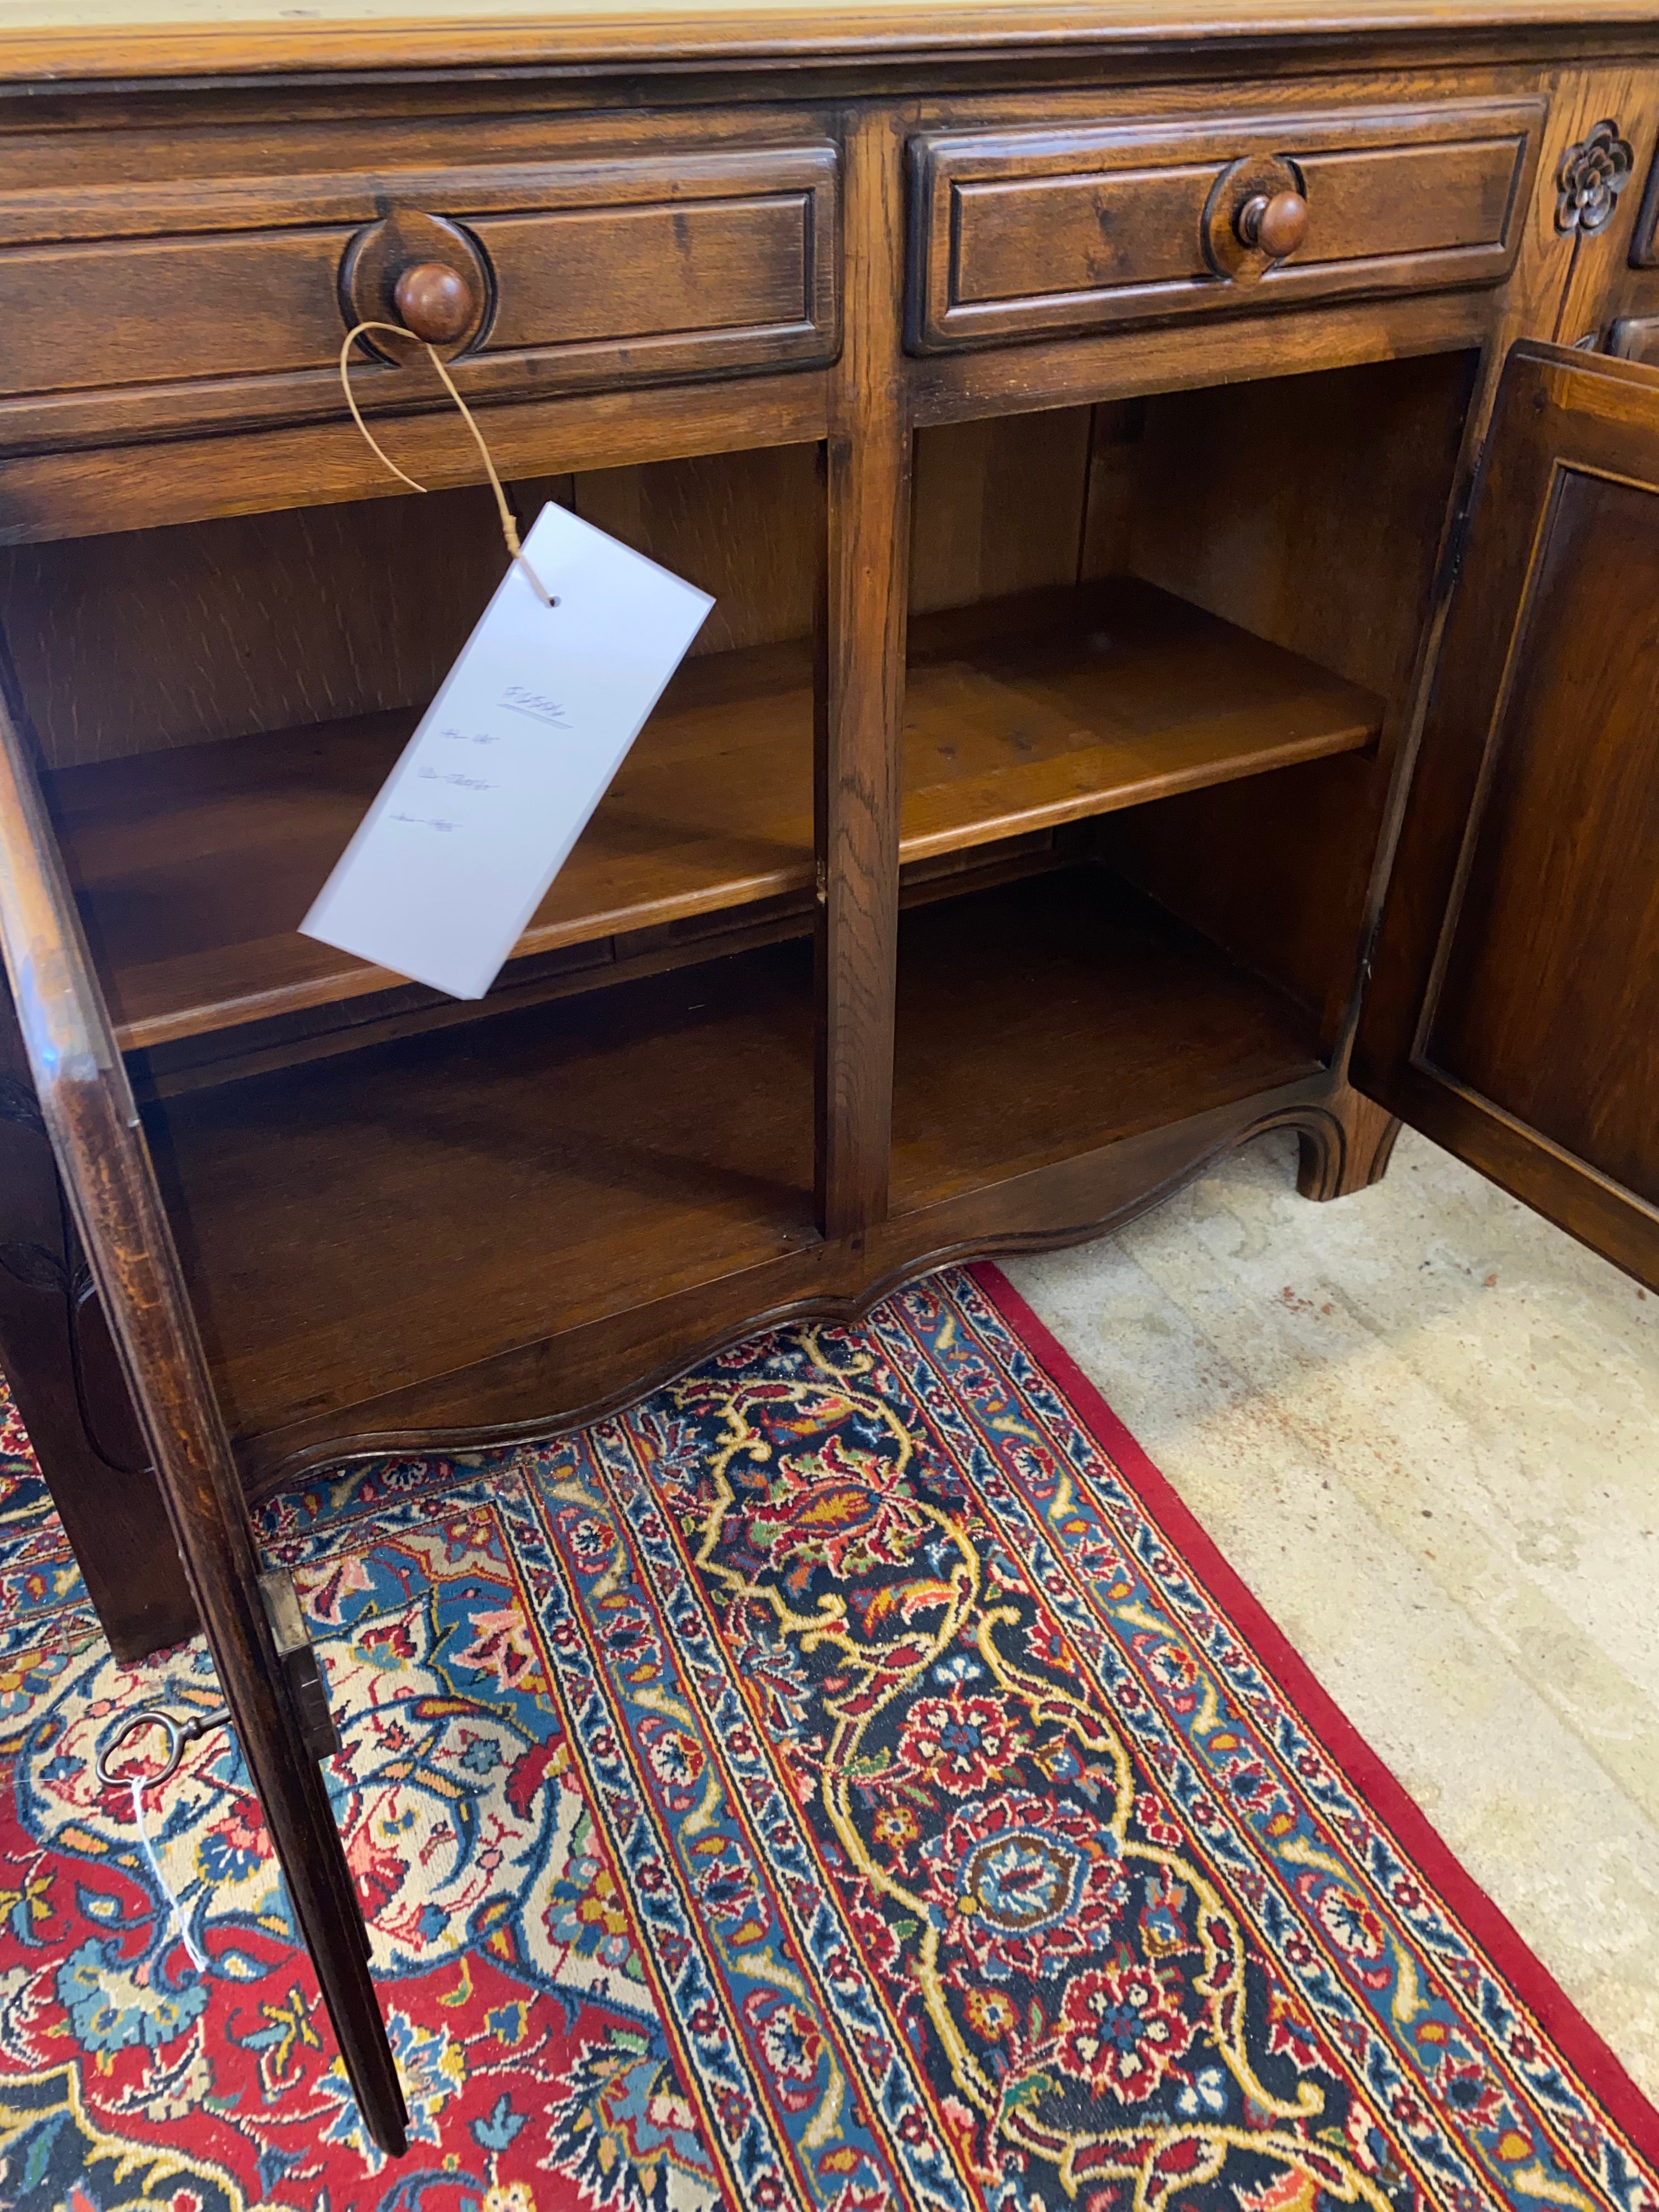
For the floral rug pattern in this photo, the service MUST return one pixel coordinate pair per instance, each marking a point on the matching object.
(826, 1786)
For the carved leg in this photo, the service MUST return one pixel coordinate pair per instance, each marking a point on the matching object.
(1348, 1149)
(57, 1354)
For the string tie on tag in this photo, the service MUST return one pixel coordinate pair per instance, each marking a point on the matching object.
(181, 1925)
(176, 1734)
(509, 527)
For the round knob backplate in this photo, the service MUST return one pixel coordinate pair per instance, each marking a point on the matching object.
(1256, 214)
(424, 272)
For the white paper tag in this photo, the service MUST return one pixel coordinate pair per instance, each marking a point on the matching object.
(449, 864)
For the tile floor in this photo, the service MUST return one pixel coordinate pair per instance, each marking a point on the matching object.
(1424, 1425)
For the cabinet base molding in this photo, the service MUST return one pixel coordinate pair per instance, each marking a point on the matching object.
(1347, 1147)
(565, 1382)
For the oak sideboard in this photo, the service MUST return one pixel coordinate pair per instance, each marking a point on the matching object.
(1179, 483)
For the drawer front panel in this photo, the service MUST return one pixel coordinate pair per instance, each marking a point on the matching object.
(1027, 232)
(597, 272)
(1030, 240)
(143, 309)
(1411, 200)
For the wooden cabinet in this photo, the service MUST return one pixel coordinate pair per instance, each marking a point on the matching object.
(1184, 665)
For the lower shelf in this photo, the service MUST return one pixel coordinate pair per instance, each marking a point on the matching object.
(357, 1224)
(1058, 1015)
(361, 1225)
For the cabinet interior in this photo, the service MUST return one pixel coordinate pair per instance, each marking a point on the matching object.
(1157, 652)
(1196, 614)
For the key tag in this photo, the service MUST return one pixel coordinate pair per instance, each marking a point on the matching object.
(526, 732)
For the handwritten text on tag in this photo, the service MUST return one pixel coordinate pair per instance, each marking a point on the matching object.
(510, 760)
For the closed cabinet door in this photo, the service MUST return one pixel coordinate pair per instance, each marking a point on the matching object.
(1512, 1013)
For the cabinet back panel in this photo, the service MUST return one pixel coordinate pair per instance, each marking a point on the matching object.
(747, 526)
(998, 507)
(154, 638)
(145, 640)
(1309, 511)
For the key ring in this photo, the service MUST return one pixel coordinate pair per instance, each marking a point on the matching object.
(179, 1735)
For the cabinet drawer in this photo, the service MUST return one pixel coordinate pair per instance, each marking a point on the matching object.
(1023, 232)
(138, 312)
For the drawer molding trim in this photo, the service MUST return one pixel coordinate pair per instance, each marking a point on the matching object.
(1035, 231)
(603, 273)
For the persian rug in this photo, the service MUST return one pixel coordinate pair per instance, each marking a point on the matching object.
(847, 1780)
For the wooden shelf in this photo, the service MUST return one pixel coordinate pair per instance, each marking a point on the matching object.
(357, 1225)
(1053, 705)
(361, 1223)
(1054, 1015)
(194, 865)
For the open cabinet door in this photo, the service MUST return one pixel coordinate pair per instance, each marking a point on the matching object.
(255, 1637)
(1512, 1013)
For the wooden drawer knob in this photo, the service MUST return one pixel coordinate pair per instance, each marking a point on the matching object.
(1276, 226)
(435, 301)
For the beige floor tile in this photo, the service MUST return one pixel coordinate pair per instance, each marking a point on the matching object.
(1424, 1425)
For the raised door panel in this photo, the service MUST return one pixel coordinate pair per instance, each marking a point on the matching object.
(1513, 1011)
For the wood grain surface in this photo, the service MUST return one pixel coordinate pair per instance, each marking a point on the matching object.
(1048, 227)
(88, 1110)
(120, 39)
(194, 866)
(859, 695)
(1514, 1011)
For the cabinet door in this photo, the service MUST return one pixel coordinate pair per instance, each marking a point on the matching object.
(1512, 1013)
(256, 1637)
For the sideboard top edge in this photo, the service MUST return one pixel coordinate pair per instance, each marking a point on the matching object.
(97, 41)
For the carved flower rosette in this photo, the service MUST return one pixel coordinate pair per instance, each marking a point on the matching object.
(1591, 176)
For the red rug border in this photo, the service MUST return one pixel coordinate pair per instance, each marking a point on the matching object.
(1597, 2065)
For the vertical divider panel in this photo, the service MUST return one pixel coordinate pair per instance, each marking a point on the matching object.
(860, 701)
